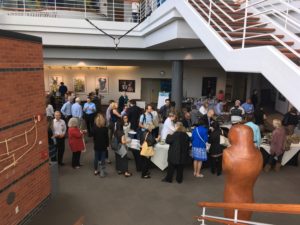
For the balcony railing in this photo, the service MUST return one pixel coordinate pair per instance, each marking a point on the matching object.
(107, 10)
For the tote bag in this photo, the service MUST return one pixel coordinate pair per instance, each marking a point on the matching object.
(147, 151)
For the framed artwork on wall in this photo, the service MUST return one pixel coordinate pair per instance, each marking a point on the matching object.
(54, 82)
(102, 84)
(79, 84)
(127, 85)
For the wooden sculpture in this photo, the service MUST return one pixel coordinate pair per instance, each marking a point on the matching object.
(242, 163)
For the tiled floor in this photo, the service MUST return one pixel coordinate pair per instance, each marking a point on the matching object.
(116, 200)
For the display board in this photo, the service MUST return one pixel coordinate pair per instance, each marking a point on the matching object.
(141, 104)
(162, 96)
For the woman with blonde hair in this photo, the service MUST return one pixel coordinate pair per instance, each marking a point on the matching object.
(178, 153)
(101, 143)
(277, 145)
(75, 141)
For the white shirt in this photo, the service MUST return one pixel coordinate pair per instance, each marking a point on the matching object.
(59, 127)
(168, 128)
(203, 110)
(50, 111)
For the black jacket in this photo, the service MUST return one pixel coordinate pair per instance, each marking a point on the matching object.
(214, 140)
(133, 114)
(101, 141)
(207, 121)
(179, 148)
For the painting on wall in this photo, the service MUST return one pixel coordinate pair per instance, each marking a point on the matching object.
(79, 84)
(102, 84)
(127, 85)
(54, 82)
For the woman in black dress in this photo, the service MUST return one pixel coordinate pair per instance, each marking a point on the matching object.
(216, 150)
(121, 161)
(178, 154)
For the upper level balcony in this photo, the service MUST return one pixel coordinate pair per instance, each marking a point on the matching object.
(132, 11)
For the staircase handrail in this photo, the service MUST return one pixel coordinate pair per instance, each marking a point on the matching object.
(251, 207)
(255, 207)
(244, 28)
(286, 17)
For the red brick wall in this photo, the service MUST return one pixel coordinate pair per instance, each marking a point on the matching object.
(21, 98)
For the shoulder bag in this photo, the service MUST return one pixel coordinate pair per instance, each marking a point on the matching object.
(147, 151)
(206, 144)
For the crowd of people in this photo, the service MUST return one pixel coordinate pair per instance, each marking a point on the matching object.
(124, 122)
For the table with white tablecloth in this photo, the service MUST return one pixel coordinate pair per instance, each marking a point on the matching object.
(160, 158)
(287, 156)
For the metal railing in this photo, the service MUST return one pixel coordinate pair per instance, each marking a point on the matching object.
(79, 9)
(219, 14)
(284, 11)
(249, 207)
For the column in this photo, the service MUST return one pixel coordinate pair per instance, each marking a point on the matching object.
(177, 83)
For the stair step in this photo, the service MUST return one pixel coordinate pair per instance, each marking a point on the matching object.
(231, 4)
(291, 56)
(252, 29)
(259, 42)
(285, 50)
(219, 12)
(240, 34)
(236, 17)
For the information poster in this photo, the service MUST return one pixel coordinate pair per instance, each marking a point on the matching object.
(162, 96)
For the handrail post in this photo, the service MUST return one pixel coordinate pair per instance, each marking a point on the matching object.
(84, 8)
(55, 6)
(245, 24)
(24, 7)
(236, 212)
(209, 13)
(113, 9)
(287, 14)
(203, 215)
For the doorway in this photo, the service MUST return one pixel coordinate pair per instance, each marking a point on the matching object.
(151, 87)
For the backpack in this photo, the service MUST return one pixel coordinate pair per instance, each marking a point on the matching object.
(236, 111)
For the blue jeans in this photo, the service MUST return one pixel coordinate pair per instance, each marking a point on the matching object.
(99, 156)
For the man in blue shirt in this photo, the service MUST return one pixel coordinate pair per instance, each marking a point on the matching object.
(66, 110)
(89, 109)
(255, 129)
(248, 107)
(76, 110)
(146, 118)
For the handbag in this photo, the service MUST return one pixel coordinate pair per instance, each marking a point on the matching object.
(224, 140)
(115, 144)
(147, 151)
(122, 151)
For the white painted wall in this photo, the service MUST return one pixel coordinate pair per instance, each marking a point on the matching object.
(192, 83)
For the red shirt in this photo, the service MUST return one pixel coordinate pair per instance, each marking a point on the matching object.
(75, 139)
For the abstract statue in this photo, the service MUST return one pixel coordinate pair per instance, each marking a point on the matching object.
(242, 163)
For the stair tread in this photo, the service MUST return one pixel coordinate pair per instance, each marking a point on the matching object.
(240, 13)
(248, 34)
(285, 50)
(233, 16)
(259, 42)
(261, 29)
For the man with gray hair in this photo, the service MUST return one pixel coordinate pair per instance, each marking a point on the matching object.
(66, 110)
(59, 131)
(237, 112)
(77, 110)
